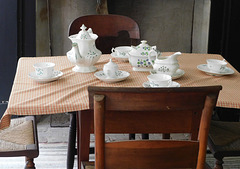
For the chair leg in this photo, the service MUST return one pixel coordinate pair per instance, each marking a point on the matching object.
(145, 136)
(131, 136)
(29, 163)
(218, 163)
(71, 141)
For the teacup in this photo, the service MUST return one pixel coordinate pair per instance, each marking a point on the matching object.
(44, 69)
(122, 51)
(160, 80)
(216, 65)
(110, 69)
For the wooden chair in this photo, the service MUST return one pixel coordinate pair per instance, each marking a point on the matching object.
(145, 110)
(224, 141)
(20, 139)
(112, 31)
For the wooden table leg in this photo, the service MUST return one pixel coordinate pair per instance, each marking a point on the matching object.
(84, 127)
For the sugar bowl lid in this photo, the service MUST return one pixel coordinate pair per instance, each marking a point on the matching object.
(142, 49)
(111, 65)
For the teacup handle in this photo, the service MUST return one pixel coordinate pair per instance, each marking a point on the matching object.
(112, 50)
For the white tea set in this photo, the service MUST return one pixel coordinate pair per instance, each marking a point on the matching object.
(143, 57)
(44, 72)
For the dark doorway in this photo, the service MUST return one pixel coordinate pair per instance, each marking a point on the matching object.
(17, 39)
(224, 32)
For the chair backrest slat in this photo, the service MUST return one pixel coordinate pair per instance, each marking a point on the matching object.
(159, 153)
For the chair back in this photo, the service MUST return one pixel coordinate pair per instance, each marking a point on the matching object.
(112, 30)
(145, 110)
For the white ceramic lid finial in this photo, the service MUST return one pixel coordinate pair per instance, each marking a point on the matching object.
(83, 27)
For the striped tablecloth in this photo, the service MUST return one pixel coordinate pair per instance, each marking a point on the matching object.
(69, 93)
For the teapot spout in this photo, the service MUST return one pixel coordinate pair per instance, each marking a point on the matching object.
(76, 52)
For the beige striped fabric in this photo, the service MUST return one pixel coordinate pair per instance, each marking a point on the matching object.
(69, 93)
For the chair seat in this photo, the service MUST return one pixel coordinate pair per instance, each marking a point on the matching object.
(17, 136)
(20, 139)
(225, 135)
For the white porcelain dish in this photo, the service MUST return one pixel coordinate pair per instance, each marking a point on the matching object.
(56, 75)
(204, 68)
(179, 73)
(120, 58)
(147, 85)
(121, 75)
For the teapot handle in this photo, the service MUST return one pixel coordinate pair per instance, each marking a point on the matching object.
(155, 53)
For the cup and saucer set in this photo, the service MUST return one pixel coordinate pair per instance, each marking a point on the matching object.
(160, 80)
(44, 72)
(111, 73)
(216, 67)
(121, 53)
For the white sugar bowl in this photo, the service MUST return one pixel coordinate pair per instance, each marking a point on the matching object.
(110, 69)
(141, 56)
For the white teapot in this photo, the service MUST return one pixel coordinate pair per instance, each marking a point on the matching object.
(166, 65)
(84, 53)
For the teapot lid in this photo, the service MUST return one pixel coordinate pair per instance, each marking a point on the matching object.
(111, 64)
(142, 49)
(84, 34)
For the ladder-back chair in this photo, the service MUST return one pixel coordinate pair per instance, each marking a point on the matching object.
(145, 110)
(224, 141)
(20, 139)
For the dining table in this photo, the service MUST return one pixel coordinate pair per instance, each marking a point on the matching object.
(69, 93)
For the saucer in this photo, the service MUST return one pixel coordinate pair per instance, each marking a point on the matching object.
(204, 68)
(147, 85)
(179, 73)
(121, 75)
(57, 75)
(120, 58)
